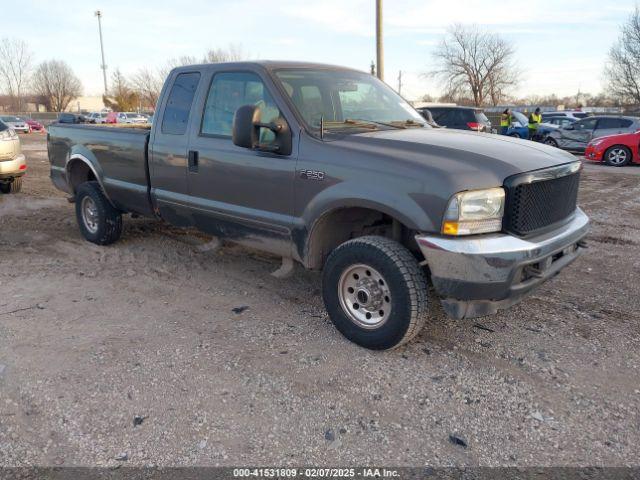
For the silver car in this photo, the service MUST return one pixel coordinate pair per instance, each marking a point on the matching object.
(97, 117)
(576, 136)
(131, 117)
(17, 124)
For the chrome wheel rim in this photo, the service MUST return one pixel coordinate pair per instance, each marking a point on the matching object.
(364, 296)
(89, 214)
(617, 156)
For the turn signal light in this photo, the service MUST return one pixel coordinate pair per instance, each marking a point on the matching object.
(450, 228)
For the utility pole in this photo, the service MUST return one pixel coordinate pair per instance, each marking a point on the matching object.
(98, 14)
(379, 50)
(399, 82)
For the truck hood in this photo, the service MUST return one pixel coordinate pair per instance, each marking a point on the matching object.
(464, 152)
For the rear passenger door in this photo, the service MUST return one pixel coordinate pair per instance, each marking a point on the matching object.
(168, 149)
(236, 192)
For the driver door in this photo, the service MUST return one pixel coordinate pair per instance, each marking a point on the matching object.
(234, 192)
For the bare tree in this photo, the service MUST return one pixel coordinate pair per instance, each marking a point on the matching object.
(623, 68)
(122, 97)
(15, 67)
(476, 64)
(148, 83)
(55, 81)
(233, 53)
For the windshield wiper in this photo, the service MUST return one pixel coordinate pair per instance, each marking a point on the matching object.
(373, 122)
(407, 123)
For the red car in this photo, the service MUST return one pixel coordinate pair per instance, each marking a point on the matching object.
(112, 117)
(34, 126)
(615, 150)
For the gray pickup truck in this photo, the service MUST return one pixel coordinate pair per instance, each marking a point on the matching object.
(328, 167)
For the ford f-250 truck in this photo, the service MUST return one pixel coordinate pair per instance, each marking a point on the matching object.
(330, 168)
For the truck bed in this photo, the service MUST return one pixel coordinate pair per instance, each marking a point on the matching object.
(116, 155)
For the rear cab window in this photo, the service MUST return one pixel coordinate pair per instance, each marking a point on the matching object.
(178, 107)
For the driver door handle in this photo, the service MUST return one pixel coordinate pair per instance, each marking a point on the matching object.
(193, 160)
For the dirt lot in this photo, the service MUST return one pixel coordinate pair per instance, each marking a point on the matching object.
(92, 337)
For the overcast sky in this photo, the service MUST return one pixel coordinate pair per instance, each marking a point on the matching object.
(561, 44)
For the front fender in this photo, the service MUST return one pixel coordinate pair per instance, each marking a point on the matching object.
(400, 206)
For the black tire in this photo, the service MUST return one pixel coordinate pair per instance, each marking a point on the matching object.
(104, 226)
(550, 141)
(515, 135)
(623, 158)
(403, 279)
(11, 187)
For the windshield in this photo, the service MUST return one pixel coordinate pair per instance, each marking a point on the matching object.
(343, 98)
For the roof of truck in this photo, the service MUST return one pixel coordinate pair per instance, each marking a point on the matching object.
(271, 65)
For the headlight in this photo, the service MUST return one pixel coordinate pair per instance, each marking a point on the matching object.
(475, 211)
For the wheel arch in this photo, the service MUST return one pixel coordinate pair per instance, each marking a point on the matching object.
(351, 219)
(79, 168)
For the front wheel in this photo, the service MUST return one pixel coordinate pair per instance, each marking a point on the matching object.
(99, 221)
(515, 135)
(551, 142)
(617, 156)
(375, 292)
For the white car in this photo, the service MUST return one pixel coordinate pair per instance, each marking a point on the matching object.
(130, 117)
(97, 117)
(15, 123)
(576, 115)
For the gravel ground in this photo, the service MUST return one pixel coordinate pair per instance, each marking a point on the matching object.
(134, 351)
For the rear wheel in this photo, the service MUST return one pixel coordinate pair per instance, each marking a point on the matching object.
(617, 156)
(375, 292)
(515, 135)
(11, 187)
(99, 221)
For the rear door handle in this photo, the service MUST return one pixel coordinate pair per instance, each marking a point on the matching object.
(193, 160)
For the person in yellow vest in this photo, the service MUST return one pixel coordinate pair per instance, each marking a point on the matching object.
(534, 120)
(505, 121)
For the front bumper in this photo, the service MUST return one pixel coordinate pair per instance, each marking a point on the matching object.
(16, 167)
(479, 276)
(593, 153)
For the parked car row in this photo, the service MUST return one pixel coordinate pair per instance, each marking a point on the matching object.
(104, 117)
(611, 139)
(22, 125)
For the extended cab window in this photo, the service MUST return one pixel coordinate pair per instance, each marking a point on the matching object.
(230, 91)
(176, 113)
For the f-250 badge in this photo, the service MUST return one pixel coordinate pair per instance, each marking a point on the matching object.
(311, 175)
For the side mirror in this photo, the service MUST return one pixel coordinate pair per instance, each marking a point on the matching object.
(245, 132)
